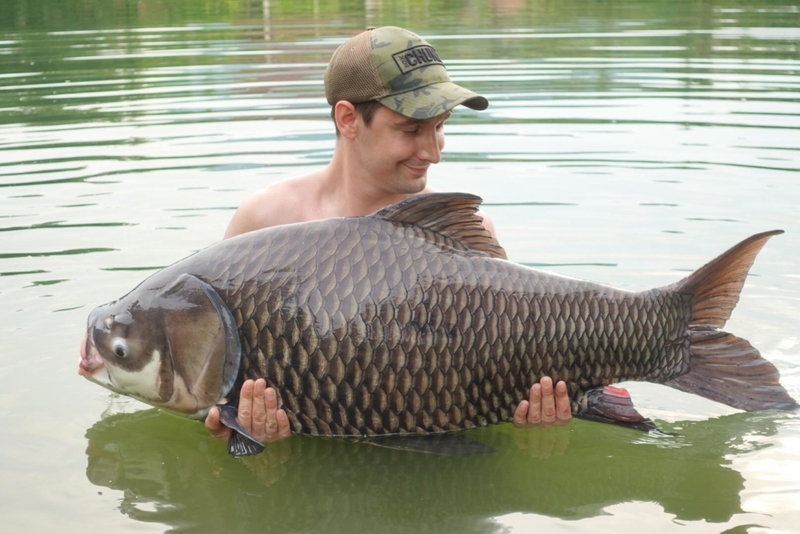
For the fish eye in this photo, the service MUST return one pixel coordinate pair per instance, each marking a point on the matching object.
(120, 348)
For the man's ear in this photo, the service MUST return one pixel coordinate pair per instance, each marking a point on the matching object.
(346, 117)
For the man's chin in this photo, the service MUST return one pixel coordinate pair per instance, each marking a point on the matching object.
(411, 184)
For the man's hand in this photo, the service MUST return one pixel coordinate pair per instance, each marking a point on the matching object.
(258, 414)
(543, 406)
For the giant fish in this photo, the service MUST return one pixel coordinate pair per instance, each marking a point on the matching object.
(412, 321)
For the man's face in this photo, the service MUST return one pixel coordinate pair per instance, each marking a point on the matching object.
(395, 151)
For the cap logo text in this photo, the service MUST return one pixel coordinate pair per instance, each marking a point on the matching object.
(416, 58)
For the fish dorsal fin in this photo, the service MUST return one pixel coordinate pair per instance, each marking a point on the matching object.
(449, 214)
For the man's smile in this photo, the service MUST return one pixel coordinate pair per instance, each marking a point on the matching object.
(419, 169)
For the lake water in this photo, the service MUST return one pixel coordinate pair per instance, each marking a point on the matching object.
(626, 143)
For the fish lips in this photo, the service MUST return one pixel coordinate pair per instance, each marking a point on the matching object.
(91, 365)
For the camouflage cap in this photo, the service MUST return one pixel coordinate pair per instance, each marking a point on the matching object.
(398, 69)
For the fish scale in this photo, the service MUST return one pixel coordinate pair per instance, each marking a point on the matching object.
(428, 313)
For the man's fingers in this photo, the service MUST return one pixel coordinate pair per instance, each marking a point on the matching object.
(521, 414)
(217, 429)
(271, 405)
(259, 417)
(544, 405)
(563, 406)
(535, 405)
(245, 415)
(284, 430)
(548, 401)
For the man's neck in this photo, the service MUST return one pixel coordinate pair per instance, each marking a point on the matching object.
(344, 191)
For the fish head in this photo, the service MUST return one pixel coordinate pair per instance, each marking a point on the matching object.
(174, 345)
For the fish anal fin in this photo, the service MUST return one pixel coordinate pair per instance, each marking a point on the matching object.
(444, 444)
(611, 404)
(450, 214)
(727, 369)
(240, 443)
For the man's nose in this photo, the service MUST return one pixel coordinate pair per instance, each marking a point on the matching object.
(430, 150)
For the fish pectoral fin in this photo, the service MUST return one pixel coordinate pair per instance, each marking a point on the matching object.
(611, 404)
(241, 443)
(442, 444)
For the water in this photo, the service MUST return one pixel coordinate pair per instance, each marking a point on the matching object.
(626, 143)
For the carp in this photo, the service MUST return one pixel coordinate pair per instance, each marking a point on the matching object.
(413, 321)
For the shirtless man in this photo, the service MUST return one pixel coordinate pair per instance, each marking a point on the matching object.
(390, 96)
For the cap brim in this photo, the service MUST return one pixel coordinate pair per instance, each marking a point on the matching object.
(433, 100)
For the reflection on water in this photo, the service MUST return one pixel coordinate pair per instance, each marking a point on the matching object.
(626, 142)
(171, 473)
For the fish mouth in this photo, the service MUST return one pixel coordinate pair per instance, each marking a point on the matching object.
(90, 363)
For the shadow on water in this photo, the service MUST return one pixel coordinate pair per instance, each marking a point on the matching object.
(172, 473)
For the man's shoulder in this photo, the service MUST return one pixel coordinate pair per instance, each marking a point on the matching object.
(273, 196)
(276, 204)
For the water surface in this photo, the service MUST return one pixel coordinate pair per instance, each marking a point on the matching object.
(626, 143)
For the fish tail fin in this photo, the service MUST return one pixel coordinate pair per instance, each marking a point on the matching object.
(728, 369)
(723, 367)
(715, 286)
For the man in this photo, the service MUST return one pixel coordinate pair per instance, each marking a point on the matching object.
(390, 95)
